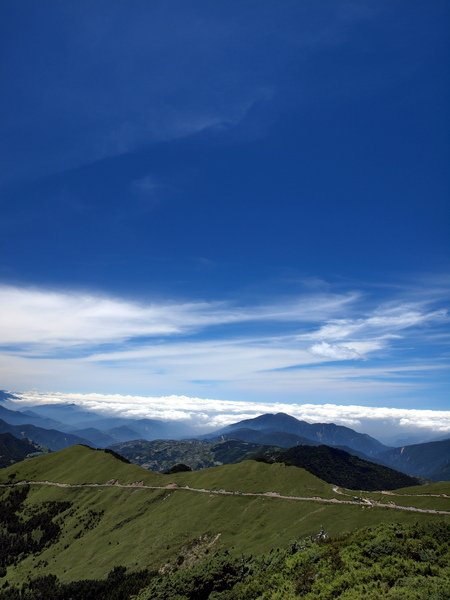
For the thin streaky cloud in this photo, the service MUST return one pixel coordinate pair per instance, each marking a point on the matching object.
(41, 316)
(285, 347)
(389, 320)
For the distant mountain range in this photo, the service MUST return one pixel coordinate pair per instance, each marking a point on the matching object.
(74, 419)
(57, 426)
(266, 438)
(49, 438)
(283, 430)
(28, 417)
(430, 460)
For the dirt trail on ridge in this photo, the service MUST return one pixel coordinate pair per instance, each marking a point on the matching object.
(173, 487)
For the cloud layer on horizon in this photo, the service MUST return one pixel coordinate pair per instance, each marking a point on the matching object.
(207, 414)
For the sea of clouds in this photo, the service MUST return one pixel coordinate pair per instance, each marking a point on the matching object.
(206, 414)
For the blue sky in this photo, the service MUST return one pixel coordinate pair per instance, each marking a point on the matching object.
(233, 200)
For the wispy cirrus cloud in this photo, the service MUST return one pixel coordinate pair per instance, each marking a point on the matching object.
(347, 351)
(320, 345)
(39, 316)
(385, 320)
(342, 339)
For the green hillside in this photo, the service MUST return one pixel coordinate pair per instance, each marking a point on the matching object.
(337, 466)
(78, 464)
(142, 528)
(390, 561)
(332, 465)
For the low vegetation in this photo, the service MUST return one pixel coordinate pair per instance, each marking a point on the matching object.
(391, 561)
(26, 532)
(102, 513)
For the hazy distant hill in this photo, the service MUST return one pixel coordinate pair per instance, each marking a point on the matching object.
(75, 418)
(50, 438)
(442, 473)
(266, 438)
(430, 460)
(123, 433)
(13, 450)
(26, 417)
(273, 425)
(97, 438)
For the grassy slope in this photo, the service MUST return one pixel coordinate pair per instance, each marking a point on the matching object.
(79, 464)
(390, 561)
(252, 476)
(441, 487)
(142, 528)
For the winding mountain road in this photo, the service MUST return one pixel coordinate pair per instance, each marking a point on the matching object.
(364, 502)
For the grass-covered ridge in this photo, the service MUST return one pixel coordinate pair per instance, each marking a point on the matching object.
(332, 465)
(77, 464)
(142, 528)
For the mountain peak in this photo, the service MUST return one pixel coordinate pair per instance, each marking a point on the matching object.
(324, 433)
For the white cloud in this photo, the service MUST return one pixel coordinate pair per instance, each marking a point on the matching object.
(386, 320)
(36, 316)
(348, 351)
(59, 318)
(39, 316)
